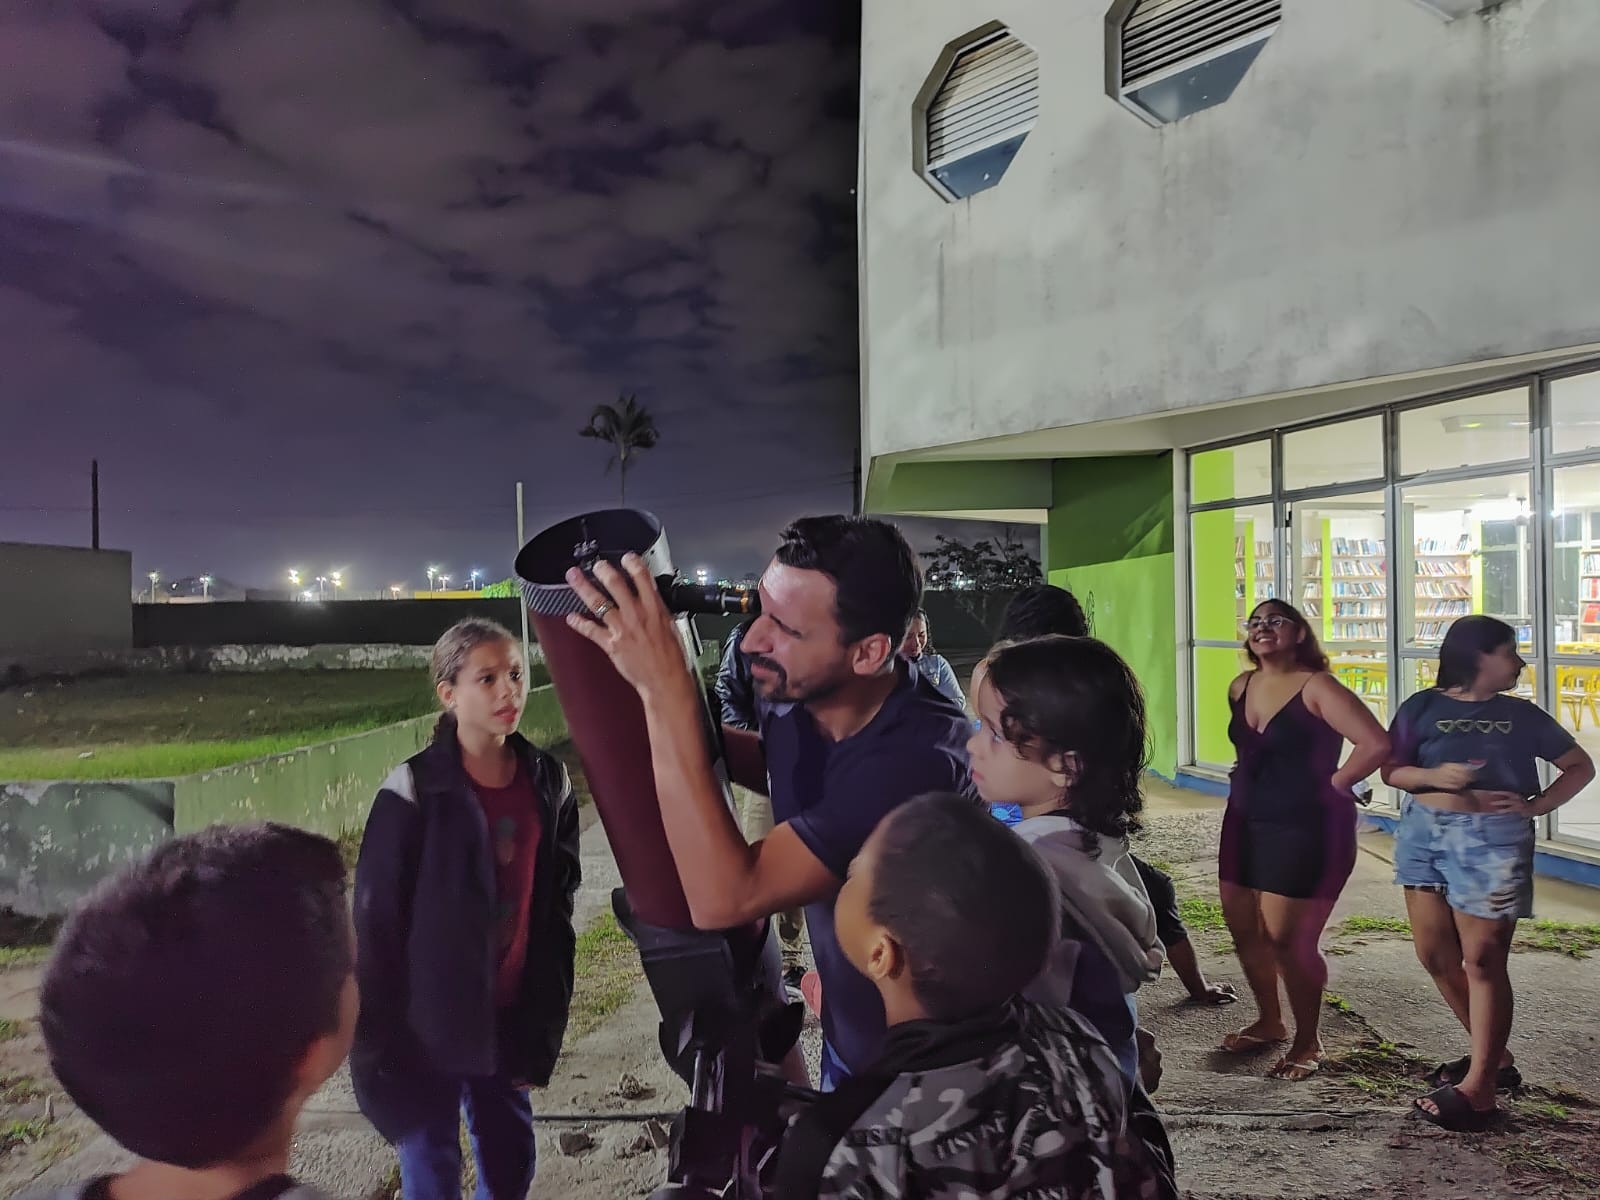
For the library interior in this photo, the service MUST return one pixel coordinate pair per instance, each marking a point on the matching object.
(1386, 527)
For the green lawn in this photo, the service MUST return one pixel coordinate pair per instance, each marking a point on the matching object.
(151, 726)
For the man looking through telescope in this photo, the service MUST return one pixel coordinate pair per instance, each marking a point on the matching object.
(848, 733)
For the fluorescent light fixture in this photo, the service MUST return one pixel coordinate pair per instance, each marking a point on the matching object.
(1512, 508)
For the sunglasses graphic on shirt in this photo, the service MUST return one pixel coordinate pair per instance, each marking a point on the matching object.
(1468, 726)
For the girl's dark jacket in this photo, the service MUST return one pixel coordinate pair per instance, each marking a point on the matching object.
(425, 954)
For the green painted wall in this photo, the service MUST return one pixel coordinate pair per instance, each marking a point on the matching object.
(57, 840)
(1216, 569)
(1110, 542)
(959, 485)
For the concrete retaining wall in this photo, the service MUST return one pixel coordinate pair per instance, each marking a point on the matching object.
(58, 840)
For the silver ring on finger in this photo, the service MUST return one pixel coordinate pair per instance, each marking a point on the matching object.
(601, 609)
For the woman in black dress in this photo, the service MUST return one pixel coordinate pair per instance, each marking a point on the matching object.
(1289, 835)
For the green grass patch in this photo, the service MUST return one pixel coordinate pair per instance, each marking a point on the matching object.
(1543, 1110)
(155, 726)
(1574, 939)
(1202, 916)
(607, 968)
(1376, 925)
(22, 956)
(1337, 1002)
(11, 1030)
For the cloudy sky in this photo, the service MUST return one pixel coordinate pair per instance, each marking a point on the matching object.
(318, 280)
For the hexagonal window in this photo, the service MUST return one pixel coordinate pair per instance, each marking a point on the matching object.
(1171, 58)
(975, 110)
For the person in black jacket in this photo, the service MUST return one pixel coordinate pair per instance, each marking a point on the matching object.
(463, 913)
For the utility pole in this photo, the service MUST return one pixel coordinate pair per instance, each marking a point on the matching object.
(94, 501)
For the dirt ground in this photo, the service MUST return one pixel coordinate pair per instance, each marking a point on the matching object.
(1239, 1136)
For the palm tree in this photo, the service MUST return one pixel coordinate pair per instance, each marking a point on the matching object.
(629, 427)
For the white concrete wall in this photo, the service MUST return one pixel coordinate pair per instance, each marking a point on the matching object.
(1385, 192)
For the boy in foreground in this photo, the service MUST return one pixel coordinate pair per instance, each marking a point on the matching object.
(196, 1001)
(976, 1092)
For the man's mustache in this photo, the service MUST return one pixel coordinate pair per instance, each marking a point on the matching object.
(762, 661)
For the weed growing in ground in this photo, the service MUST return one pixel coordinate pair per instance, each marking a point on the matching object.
(10, 1029)
(21, 1133)
(606, 969)
(1202, 916)
(1376, 925)
(1523, 1158)
(1337, 1002)
(1572, 938)
(17, 1089)
(1379, 1069)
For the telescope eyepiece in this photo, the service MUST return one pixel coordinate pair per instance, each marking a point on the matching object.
(710, 599)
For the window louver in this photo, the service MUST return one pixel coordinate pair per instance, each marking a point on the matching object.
(1160, 36)
(990, 96)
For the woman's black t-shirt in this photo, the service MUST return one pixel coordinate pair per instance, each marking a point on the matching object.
(1507, 734)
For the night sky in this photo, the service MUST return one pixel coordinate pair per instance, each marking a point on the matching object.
(318, 280)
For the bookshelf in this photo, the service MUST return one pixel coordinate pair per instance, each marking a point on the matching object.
(1253, 576)
(1589, 593)
(1444, 585)
(1357, 591)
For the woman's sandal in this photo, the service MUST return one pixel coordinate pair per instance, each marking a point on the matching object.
(1455, 1111)
(1448, 1074)
(1240, 1042)
(1302, 1070)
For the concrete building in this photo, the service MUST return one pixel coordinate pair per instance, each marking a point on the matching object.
(63, 602)
(1238, 298)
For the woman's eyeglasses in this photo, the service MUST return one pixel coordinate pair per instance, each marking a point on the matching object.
(1273, 622)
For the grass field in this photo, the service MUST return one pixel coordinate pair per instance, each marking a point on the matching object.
(152, 726)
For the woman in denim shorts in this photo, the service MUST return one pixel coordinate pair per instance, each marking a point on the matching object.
(1468, 754)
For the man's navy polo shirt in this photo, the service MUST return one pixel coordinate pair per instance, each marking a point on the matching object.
(833, 794)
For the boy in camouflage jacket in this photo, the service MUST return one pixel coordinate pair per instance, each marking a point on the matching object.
(977, 1093)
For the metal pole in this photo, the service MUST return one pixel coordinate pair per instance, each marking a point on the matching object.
(94, 500)
(522, 599)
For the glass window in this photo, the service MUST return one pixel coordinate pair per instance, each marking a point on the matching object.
(1578, 709)
(1466, 547)
(1233, 473)
(1575, 571)
(1575, 413)
(1463, 433)
(1330, 454)
(1234, 569)
(1196, 87)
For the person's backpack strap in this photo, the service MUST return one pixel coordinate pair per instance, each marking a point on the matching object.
(811, 1139)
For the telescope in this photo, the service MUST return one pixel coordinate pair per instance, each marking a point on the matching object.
(726, 1022)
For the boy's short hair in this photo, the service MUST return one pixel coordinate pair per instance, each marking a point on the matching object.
(1041, 610)
(972, 904)
(184, 992)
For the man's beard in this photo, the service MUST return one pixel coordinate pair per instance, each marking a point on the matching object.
(779, 690)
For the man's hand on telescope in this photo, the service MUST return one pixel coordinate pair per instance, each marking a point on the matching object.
(632, 625)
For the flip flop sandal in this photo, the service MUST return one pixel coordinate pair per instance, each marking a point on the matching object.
(1309, 1066)
(1508, 1079)
(1216, 996)
(1246, 1043)
(1455, 1111)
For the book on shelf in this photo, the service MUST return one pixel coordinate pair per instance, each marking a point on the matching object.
(1463, 545)
(1358, 547)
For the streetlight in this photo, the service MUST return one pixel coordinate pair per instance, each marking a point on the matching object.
(322, 584)
(337, 579)
(205, 586)
(294, 578)
(432, 571)
(444, 581)
(394, 591)
(475, 574)
(155, 577)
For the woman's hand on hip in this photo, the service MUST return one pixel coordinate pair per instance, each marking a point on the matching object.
(1500, 802)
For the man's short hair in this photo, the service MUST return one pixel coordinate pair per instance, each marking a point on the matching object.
(972, 904)
(874, 570)
(1040, 611)
(184, 993)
